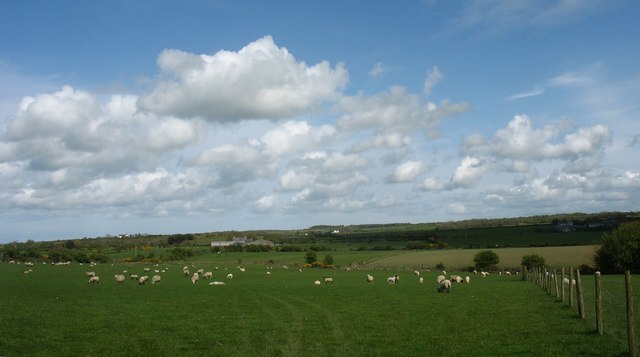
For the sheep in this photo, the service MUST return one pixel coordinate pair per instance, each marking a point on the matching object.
(156, 279)
(268, 273)
(416, 272)
(440, 278)
(369, 279)
(217, 283)
(242, 270)
(467, 279)
(186, 272)
(317, 282)
(195, 278)
(207, 275)
(146, 270)
(143, 279)
(90, 274)
(133, 276)
(475, 271)
(327, 280)
(229, 276)
(94, 279)
(28, 271)
(484, 274)
(421, 280)
(444, 272)
(285, 267)
(393, 279)
(456, 278)
(200, 271)
(119, 278)
(508, 272)
(445, 285)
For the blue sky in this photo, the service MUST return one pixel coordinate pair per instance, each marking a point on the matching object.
(193, 116)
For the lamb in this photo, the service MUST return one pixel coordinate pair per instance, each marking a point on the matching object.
(328, 280)
(143, 279)
(441, 278)
(90, 274)
(467, 279)
(208, 275)
(484, 274)
(229, 276)
(94, 279)
(421, 280)
(195, 278)
(445, 285)
(28, 271)
(242, 270)
(200, 271)
(393, 279)
(119, 278)
(146, 270)
(369, 279)
(317, 282)
(156, 279)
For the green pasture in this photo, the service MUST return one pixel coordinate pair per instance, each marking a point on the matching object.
(53, 311)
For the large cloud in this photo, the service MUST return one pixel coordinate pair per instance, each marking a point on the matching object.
(261, 81)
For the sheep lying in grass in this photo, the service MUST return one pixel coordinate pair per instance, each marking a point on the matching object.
(156, 279)
(94, 279)
(119, 278)
(369, 279)
(445, 285)
(327, 280)
(195, 278)
(216, 283)
(133, 276)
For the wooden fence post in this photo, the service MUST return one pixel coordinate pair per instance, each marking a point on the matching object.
(599, 325)
(631, 335)
(562, 294)
(555, 283)
(571, 286)
(580, 296)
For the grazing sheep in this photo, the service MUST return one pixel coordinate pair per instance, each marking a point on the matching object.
(195, 278)
(484, 274)
(444, 272)
(28, 271)
(216, 283)
(421, 280)
(317, 282)
(156, 279)
(94, 279)
(369, 279)
(445, 285)
(229, 276)
(242, 270)
(441, 278)
(508, 272)
(200, 271)
(90, 274)
(119, 278)
(285, 267)
(393, 279)
(475, 271)
(416, 272)
(327, 280)
(207, 275)
(467, 279)
(186, 272)
(456, 278)
(146, 270)
(143, 279)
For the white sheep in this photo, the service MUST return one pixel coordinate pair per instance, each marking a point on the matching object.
(119, 278)
(369, 279)
(440, 278)
(195, 278)
(467, 279)
(156, 279)
(327, 280)
(421, 280)
(484, 274)
(242, 270)
(133, 276)
(508, 272)
(200, 271)
(216, 283)
(28, 271)
(94, 279)
(393, 279)
(143, 279)
(445, 285)
(416, 272)
(268, 273)
(475, 271)
(90, 274)
(456, 278)
(229, 276)
(207, 275)
(317, 282)
(146, 270)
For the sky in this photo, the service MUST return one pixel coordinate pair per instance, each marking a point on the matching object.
(162, 117)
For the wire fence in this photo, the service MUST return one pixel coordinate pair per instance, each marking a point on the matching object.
(613, 291)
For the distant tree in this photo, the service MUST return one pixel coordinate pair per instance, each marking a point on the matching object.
(328, 260)
(310, 257)
(620, 250)
(532, 261)
(486, 259)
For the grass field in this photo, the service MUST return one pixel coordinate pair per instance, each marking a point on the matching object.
(53, 311)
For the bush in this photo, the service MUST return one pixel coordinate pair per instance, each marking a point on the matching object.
(620, 250)
(532, 261)
(328, 260)
(310, 257)
(486, 260)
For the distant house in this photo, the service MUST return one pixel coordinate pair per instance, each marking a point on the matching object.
(241, 241)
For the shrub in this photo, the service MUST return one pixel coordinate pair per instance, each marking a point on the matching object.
(620, 250)
(486, 260)
(532, 261)
(310, 257)
(328, 260)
